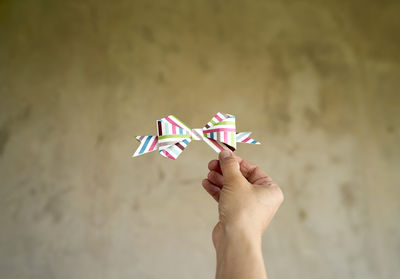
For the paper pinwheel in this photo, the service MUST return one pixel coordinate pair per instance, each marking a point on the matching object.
(173, 136)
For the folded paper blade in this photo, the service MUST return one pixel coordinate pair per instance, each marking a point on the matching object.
(175, 150)
(218, 117)
(172, 125)
(244, 137)
(171, 131)
(222, 127)
(147, 144)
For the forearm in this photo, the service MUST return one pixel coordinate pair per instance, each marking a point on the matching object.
(239, 256)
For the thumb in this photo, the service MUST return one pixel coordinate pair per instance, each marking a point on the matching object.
(230, 167)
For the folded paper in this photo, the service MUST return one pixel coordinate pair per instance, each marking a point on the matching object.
(173, 136)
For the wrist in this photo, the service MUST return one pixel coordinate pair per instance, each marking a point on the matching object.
(239, 254)
(238, 237)
(241, 233)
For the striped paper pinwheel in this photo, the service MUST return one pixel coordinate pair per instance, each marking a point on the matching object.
(173, 136)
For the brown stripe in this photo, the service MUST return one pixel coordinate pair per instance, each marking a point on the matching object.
(164, 143)
(207, 126)
(197, 134)
(159, 128)
(230, 147)
(179, 145)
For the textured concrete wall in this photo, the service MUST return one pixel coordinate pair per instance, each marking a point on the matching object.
(317, 83)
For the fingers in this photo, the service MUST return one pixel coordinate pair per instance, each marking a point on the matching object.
(213, 165)
(230, 168)
(253, 173)
(250, 171)
(216, 178)
(211, 188)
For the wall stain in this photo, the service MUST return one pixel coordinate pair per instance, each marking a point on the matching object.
(161, 174)
(5, 130)
(312, 117)
(204, 64)
(54, 206)
(335, 159)
(4, 137)
(135, 205)
(33, 192)
(147, 34)
(327, 59)
(171, 48)
(293, 149)
(100, 139)
(187, 181)
(390, 129)
(277, 108)
(25, 113)
(160, 78)
(303, 215)
(347, 194)
(309, 168)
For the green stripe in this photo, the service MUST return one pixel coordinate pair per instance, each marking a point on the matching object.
(213, 122)
(173, 136)
(232, 138)
(182, 122)
(226, 123)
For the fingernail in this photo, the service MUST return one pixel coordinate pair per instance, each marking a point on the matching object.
(225, 154)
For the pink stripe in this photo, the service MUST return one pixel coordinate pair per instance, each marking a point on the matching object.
(246, 139)
(220, 130)
(172, 122)
(217, 144)
(153, 144)
(173, 129)
(168, 155)
(219, 118)
(226, 137)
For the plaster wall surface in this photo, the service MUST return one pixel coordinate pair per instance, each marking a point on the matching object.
(316, 82)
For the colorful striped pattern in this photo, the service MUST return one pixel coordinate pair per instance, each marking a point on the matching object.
(222, 128)
(173, 136)
(244, 137)
(147, 144)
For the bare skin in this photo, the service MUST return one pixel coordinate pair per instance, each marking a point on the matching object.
(247, 201)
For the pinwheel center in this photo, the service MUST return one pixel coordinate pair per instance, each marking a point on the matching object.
(197, 134)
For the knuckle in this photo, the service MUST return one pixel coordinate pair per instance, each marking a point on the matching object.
(279, 194)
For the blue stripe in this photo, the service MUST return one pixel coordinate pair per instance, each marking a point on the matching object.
(253, 141)
(167, 128)
(181, 131)
(173, 150)
(212, 135)
(185, 141)
(242, 136)
(145, 145)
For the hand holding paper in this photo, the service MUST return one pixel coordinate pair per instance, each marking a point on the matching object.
(173, 136)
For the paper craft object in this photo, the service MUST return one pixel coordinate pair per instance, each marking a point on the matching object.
(173, 136)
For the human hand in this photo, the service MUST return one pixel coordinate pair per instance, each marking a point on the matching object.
(247, 197)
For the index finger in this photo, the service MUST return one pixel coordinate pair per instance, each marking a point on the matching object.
(253, 173)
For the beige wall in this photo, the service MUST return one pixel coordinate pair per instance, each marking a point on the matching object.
(317, 83)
